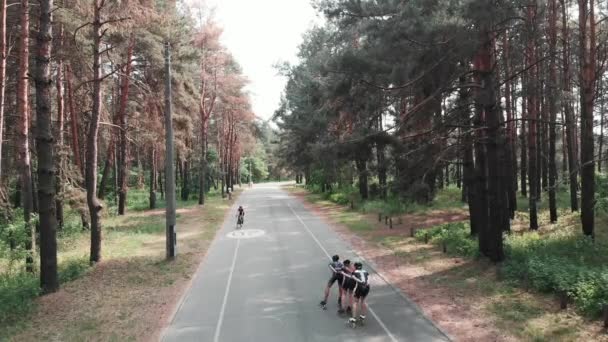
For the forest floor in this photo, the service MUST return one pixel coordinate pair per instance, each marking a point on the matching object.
(131, 294)
(463, 296)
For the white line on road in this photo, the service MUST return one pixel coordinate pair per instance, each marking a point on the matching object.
(329, 257)
(216, 338)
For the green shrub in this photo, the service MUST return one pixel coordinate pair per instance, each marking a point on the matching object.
(455, 236)
(560, 262)
(17, 293)
(73, 269)
(601, 188)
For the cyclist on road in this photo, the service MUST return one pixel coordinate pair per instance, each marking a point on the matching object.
(361, 278)
(336, 275)
(348, 285)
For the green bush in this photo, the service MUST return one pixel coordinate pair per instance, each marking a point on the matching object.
(73, 269)
(340, 197)
(455, 236)
(17, 293)
(560, 262)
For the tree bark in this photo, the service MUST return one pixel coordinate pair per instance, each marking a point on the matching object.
(362, 169)
(124, 143)
(107, 168)
(3, 56)
(588, 70)
(74, 122)
(468, 166)
(601, 138)
(511, 175)
(49, 281)
(170, 237)
(24, 124)
(153, 178)
(568, 113)
(532, 114)
(523, 141)
(59, 133)
(497, 194)
(553, 86)
(95, 206)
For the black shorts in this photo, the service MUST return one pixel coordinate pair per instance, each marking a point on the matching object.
(335, 277)
(361, 291)
(348, 284)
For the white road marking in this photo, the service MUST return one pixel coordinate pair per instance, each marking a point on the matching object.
(218, 327)
(390, 335)
(245, 233)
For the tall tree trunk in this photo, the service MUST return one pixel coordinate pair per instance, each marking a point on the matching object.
(565, 176)
(497, 194)
(543, 135)
(95, 206)
(511, 174)
(107, 168)
(203, 171)
(59, 166)
(381, 158)
(170, 237)
(185, 179)
(481, 176)
(568, 113)
(601, 138)
(160, 185)
(362, 169)
(74, 121)
(553, 86)
(153, 178)
(44, 145)
(533, 92)
(587, 50)
(24, 124)
(3, 56)
(124, 143)
(468, 166)
(523, 140)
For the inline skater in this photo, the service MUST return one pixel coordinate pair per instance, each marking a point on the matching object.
(361, 291)
(348, 285)
(336, 275)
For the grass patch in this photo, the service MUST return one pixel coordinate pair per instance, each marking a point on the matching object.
(515, 310)
(115, 300)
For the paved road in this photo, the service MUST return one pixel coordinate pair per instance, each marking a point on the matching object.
(267, 288)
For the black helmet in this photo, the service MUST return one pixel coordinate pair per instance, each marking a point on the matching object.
(335, 258)
(358, 265)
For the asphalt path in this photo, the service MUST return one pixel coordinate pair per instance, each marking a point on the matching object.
(264, 283)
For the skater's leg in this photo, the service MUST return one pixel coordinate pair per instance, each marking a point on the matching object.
(355, 305)
(363, 307)
(326, 293)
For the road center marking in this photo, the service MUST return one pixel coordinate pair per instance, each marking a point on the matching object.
(245, 233)
(216, 338)
(390, 335)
